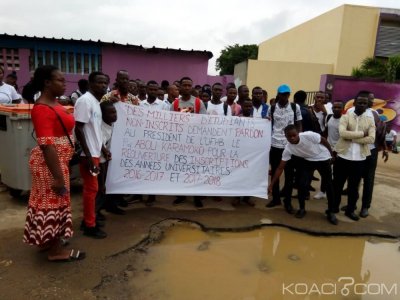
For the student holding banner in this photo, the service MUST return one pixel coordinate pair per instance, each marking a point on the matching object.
(88, 118)
(188, 104)
(153, 103)
(247, 112)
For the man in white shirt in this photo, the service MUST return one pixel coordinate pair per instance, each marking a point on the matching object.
(332, 124)
(229, 86)
(172, 94)
(260, 109)
(311, 152)
(88, 119)
(142, 93)
(371, 161)
(357, 131)
(8, 94)
(188, 104)
(281, 114)
(152, 102)
(216, 106)
(332, 134)
(391, 139)
(243, 94)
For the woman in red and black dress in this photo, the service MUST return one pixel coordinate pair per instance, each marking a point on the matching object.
(49, 210)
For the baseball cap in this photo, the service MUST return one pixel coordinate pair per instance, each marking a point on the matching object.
(284, 88)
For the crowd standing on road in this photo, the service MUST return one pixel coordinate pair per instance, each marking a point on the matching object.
(341, 146)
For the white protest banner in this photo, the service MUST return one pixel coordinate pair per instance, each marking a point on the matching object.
(171, 153)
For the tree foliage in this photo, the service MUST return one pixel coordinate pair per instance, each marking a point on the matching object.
(232, 55)
(372, 67)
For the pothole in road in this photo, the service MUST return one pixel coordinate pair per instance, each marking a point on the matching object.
(185, 262)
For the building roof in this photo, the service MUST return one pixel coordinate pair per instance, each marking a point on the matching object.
(153, 49)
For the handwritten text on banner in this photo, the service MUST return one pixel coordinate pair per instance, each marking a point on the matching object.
(170, 153)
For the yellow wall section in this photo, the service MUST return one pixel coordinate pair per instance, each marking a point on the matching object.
(332, 43)
(269, 75)
(358, 38)
(315, 41)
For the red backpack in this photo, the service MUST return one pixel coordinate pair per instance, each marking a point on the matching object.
(197, 105)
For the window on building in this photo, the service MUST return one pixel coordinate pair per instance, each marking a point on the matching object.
(32, 60)
(71, 62)
(48, 58)
(94, 65)
(388, 39)
(55, 58)
(100, 63)
(86, 63)
(9, 59)
(39, 58)
(66, 61)
(78, 63)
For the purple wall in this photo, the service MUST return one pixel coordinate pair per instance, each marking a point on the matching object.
(155, 66)
(144, 65)
(224, 79)
(387, 95)
(23, 74)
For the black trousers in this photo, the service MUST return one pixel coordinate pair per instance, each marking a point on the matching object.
(275, 156)
(369, 178)
(351, 171)
(292, 175)
(304, 179)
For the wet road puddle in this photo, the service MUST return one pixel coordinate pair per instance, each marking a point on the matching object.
(270, 263)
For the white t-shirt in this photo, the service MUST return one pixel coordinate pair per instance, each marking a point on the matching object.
(156, 105)
(87, 110)
(283, 116)
(106, 131)
(309, 148)
(218, 109)
(333, 130)
(8, 93)
(390, 136)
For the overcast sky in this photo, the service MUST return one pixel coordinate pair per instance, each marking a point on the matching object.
(201, 25)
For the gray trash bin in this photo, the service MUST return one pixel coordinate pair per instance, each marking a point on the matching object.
(16, 144)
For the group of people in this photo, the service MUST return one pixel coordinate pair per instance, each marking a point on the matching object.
(303, 139)
(320, 139)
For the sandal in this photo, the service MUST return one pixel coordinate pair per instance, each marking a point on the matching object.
(73, 256)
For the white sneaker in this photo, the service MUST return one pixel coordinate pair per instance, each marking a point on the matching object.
(319, 195)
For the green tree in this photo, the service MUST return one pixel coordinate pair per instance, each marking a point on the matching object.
(372, 67)
(232, 55)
